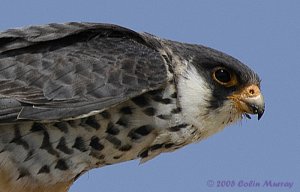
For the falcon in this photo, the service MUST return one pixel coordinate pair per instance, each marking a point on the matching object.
(78, 96)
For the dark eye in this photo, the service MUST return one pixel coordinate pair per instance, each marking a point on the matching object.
(224, 77)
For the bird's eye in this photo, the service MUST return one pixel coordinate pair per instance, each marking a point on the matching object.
(224, 77)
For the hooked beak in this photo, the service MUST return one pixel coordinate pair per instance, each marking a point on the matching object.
(249, 100)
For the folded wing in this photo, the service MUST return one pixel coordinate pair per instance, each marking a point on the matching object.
(62, 71)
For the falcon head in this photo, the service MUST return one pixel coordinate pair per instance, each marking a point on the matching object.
(214, 88)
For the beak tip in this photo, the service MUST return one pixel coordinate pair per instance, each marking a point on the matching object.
(256, 106)
(260, 113)
(259, 116)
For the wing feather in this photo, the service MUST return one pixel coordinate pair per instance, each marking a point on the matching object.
(62, 71)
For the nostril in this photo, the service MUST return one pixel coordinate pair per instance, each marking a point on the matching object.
(251, 91)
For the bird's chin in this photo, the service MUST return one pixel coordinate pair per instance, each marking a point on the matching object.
(238, 113)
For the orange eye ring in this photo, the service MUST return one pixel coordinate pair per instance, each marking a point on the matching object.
(224, 77)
